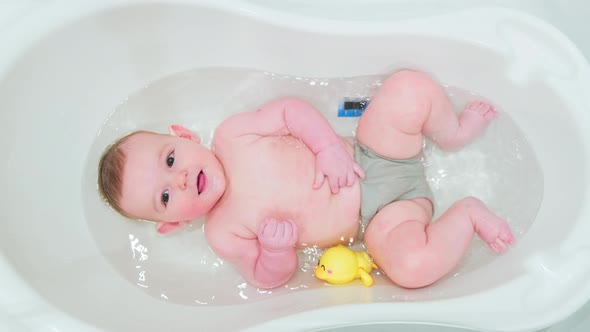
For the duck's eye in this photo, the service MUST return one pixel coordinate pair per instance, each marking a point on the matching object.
(170, 159)
(323, 267)
(165, 197)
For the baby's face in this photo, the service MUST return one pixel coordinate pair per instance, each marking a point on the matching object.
(168, 178)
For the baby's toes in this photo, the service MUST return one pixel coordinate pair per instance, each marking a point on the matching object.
(506, 237)
(485, 110)
(505, 234)
(494, 247)
(501, 245)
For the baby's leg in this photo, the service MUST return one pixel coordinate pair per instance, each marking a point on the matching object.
(414, 253)
(410, 104)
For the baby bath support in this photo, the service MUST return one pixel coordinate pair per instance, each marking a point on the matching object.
(69, 65)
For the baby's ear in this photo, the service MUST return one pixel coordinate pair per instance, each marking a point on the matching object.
(180, 131)
(167, 227)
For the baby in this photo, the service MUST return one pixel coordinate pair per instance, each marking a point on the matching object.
(279, 178)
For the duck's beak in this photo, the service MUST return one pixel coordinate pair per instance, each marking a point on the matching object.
(320, 273)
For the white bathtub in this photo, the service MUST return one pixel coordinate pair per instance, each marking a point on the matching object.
(64, 68)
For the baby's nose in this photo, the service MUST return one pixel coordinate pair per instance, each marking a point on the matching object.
(182, 179)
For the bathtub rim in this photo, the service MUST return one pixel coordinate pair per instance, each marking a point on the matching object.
(38, 32)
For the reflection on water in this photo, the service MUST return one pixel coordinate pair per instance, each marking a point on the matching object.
(500, 168)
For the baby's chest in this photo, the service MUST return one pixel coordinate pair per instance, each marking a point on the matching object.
(272, 176)
(271, 166)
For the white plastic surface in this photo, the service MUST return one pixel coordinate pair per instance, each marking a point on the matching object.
(69, 65)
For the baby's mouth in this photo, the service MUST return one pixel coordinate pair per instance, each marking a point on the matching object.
(201, 182)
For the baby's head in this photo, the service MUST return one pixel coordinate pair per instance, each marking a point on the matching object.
(171, 179)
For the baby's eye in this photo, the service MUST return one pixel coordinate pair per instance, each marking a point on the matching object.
(165, 197)
(170, 159)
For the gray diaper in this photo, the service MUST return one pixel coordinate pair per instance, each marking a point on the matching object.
(388, 180)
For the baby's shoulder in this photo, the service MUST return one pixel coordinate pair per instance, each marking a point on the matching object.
(228, 213)
(216, 225)
(227, 135)
(224, 226)
(223, 132)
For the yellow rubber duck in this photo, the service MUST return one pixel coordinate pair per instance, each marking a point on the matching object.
(340, 265)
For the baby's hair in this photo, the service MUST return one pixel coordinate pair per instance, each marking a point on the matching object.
(110, 173)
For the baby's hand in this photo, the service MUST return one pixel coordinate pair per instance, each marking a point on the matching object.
(277, 235)
(337, 165)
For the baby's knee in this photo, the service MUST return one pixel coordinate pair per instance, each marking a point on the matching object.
(468, 203)
(409, 77)
(410, 271)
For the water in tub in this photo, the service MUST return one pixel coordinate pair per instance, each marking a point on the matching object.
(499, 167)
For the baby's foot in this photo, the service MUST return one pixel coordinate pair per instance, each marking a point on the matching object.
(493, 231)
(475, 117)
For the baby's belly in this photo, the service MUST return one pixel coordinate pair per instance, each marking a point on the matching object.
(332, 221)
(323, 219)
(279, 184)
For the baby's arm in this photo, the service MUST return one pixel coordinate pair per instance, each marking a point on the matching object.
(267, 261)
(299, 119)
